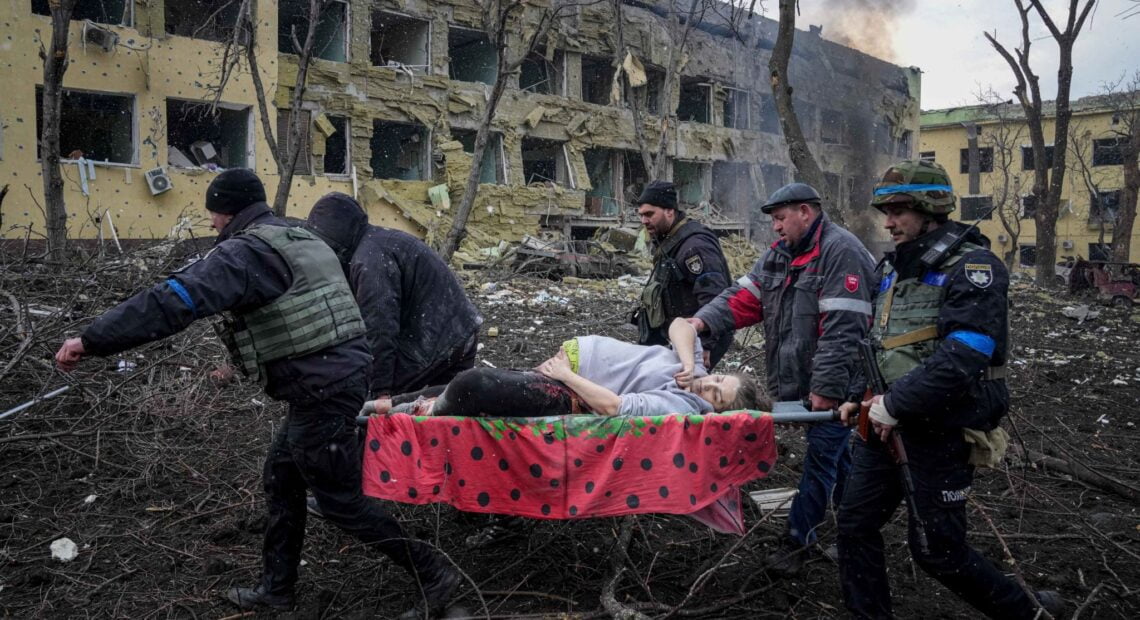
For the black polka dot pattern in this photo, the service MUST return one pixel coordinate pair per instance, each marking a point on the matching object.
(477, 453)
(374, 445)
(406, 448)
(678, 460)
(504, 465)
(484, 498)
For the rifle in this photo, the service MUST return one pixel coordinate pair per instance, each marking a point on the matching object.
(877, 386)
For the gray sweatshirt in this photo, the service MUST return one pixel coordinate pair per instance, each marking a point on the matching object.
(641, 375)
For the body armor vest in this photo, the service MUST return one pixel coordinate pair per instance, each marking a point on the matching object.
(661, 299)
(906, 317)
(318, 310)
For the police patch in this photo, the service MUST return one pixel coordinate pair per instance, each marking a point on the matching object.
(851, 282)
(980, 275)
(694, 263)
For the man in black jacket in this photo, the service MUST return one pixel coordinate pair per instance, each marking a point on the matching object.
(689, 270)
(292, 324)
(422, 329)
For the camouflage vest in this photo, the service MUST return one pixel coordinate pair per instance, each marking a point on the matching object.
(318, 310)
(906, 317)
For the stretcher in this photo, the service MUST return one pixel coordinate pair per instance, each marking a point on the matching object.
(576, 466)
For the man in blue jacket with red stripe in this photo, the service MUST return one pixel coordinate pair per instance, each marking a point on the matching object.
(812, 289)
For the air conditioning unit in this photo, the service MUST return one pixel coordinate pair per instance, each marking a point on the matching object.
(1003, 239)
(101, 37)
(1066, 244)
(158, 181)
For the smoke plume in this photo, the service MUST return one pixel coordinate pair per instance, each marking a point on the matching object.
(865, 25)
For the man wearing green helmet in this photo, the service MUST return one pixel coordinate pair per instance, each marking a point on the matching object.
(941, 334)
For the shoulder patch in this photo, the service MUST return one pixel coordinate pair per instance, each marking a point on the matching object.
(695, 264)
(980, 275)
(851, 282)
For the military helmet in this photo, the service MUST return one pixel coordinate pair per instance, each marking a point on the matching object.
(792, 193)
(924, 184)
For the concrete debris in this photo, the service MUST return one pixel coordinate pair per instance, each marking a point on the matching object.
(1081, 313)
(64, 550)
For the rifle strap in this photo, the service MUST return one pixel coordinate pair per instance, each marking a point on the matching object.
(930, 332)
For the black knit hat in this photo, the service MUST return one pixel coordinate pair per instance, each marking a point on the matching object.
(659, 194)
(340, 221)
(234, 190)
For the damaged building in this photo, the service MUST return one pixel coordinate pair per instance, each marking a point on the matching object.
(395, 95)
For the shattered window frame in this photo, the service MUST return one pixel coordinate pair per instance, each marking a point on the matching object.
(833, 127)
(1104, 206)
(421, 158)
(213, 20)
(904, 144)
(973, 206)
(1100, 251)
(342, 26)
(734, 106)
(689, 102)
(245, 148)
(83, 11)
(929, 157)
(602, 68)
(554, 71)
(1028, 207)
(93, 99)
(1027, 254)
(465, 65)
(1027, 156)
(1108, 152)
(985, 160)
(304, 165)
(563, 174)
(493, 149)
(400, 22)
(688, 187)
(343, 134)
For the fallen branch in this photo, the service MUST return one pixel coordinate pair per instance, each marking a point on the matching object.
(617, 559)
(1085, 474)
(1041, 611)
(1088, 601)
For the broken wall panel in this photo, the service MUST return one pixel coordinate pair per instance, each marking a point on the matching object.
(209, 138)
(544, 162)
(600, 164)
(284, 135)
(542, 76)
(732, 187)
(336, 157)
(97, 126)
(400, 151)
(329, 42)
(492, 170)
(737, 109)
(690, 179)
(401, 40)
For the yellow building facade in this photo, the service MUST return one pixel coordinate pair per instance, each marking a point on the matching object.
(1004, 180)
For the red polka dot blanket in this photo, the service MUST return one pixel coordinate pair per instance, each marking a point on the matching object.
(575, 466)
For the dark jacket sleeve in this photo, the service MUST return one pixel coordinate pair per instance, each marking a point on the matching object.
(947, 383)
(702, 263)
(848, 281)
(736, 307)
(238, 273)
(376, 282)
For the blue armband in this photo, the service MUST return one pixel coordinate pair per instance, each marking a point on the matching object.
(183, 294)
(975, 340)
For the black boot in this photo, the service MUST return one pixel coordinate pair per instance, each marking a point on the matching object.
(788, 558)
(253, 598)
(439, 584)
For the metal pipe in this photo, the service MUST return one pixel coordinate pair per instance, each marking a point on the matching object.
(19, 408)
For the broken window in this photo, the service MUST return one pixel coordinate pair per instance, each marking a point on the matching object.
(600, 200)
(491, 170)
(471, 56)
(693, 103)
(732, 186)
(1103, 206)
(634, 178)
(197, 136)
(539, 75)
(805, 112)
(985, 160)
(689, 177)
(213, 20)
(769, 116)
(903, 146)
(304, 164)
(773, 176)
(977, 207)
(399, 40)
(927, 156)
(1027, 255)
(96, 126)
(1108, 152)
(737, 109)
(115, 12)
(1100, 251)
(1027, 157)
(329, 41)
(597, 78)
(1028, 206)
(399, 151)
(545, 161)
(832, 127)
(336, 146)
(650, 95)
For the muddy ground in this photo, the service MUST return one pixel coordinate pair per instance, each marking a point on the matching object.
(154, 472)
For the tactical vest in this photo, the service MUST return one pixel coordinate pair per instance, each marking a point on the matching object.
(661, 299)
(906, 317)
(318, 310)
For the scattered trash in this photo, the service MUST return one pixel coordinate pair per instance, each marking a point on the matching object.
(90, 499)
(127, 366)
(492, 332)
(64, 550)
(776, 501)
(1081, 313)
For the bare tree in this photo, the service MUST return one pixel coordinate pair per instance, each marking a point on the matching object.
(1046, 188)
(1124, 101)
(806, 165)
(502, 19)
(55, 65)
(1005, 138)
(1093, 179)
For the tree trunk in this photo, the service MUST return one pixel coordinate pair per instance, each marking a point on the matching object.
(288, 164)
(55, 65)
(1126, 214)
(798, 150)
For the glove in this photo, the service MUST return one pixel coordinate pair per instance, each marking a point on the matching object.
(880, 414)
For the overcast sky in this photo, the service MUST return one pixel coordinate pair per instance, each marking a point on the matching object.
(944, 38)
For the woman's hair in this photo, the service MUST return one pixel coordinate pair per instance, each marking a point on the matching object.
(750, 394)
